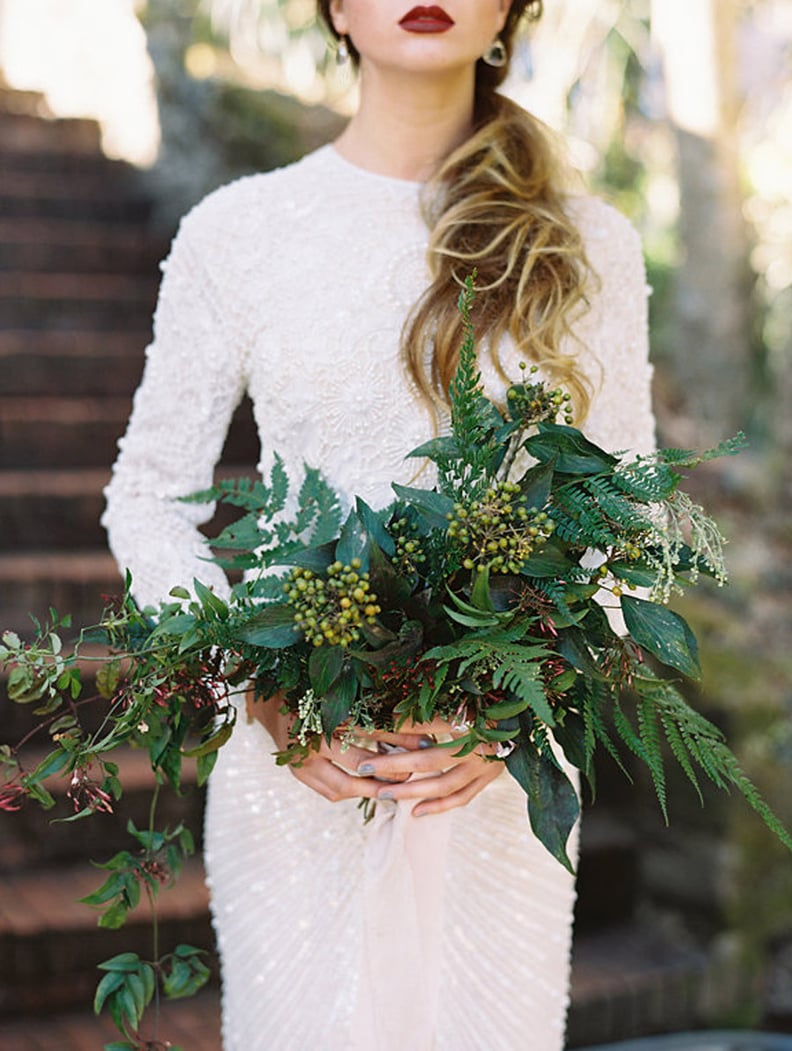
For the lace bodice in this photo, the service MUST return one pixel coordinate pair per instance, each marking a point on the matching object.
(294, 285)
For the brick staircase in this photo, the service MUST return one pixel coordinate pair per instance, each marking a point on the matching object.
(78, 276)
(78, 280)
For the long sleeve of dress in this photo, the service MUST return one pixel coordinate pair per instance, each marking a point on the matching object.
(194, 377)
(615, 332)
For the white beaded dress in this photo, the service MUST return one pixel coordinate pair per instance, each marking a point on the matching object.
(444, 933)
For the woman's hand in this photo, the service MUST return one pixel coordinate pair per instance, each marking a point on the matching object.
(446, 780)
(339, 772)
(332, 770)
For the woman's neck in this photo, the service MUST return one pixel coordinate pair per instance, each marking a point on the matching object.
(405, 124)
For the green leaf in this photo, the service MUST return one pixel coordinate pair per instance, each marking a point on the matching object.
(272, 628)
(549, 561)
(107, 678)
(337, 702)
(186, 952)
(480, 595)
(573, 453)
(433, 507)
(445, 445)
(23, 687)
(114, 917)
(507, 709)
(324, 667)
(204, 766)
(209, 600)
(53, 764)
(374, 523)
(662, 633)
(353, 542)
(571, 735)
(553, 806)
(317, 559)
(536, 485)
(125, 961)
(211, 744)
(177, 980)
(109, 984)
(392, 589)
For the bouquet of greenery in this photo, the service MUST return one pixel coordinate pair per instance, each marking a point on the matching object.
(498, 600)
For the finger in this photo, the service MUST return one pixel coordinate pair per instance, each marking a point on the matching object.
(324, 777)
(460, 798)
(410, 741)
(437, 787)
(423, 761)
(347, 756)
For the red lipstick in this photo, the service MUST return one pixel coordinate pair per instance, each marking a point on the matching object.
(427, 20)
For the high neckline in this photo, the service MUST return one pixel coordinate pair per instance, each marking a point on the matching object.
(331, 151)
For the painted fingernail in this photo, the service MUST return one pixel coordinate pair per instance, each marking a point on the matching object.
(385, 795)
(365, 768)
(426, 742)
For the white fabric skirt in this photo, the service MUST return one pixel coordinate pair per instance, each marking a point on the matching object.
(444, 933)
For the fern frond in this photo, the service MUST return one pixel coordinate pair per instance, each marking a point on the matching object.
(687, 458)
(597, 697)
(626, 731)
(319, 510)
(578, 519)
(646, 480)
(650, 738)
(623, 514)
(679, 751)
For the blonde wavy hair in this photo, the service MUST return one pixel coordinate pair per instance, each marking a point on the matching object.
(496, 206)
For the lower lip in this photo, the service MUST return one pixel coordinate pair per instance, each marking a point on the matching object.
(426, 25)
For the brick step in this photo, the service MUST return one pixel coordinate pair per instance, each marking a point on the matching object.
(51, 300)
(61, 509)
(18, 100)
(70, 581)
(52, 509)
(51, 943)
(73, 432)
(608, 874)
(192, 1024)
(639, 979)
(626, 983)
(88, 247)
(72, 362)
(83, 432)
(124, 207)
(32, 133)
(61, 196)
(67, 162)
(34, 839)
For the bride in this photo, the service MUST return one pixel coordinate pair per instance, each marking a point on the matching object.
(327, 290)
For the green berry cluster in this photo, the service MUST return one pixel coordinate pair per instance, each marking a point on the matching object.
(409, 553)
(332, 609)
(534, 403)
(499, 532)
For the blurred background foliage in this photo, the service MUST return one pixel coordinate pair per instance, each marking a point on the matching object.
(680, 113)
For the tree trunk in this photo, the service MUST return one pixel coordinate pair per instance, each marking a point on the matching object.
(713, 310)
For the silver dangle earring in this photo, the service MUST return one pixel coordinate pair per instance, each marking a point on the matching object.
(342, 52)
(495, 55)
